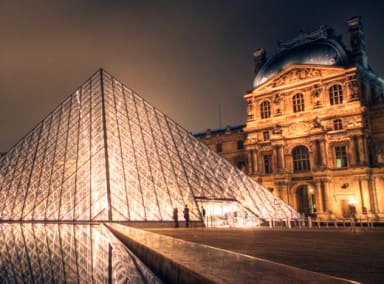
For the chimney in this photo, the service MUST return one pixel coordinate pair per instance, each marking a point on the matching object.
(357, 41)
(259, 57)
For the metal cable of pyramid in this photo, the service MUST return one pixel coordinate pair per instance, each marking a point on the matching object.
(105, 154)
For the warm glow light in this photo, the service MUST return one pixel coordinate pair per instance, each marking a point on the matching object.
(352, 200)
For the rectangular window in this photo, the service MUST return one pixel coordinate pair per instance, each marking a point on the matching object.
(265, 109)
(219, 148)
(240, 145)
(341, 157)
(337, 124)
(298, 102)
(268, 164)
(266, 135)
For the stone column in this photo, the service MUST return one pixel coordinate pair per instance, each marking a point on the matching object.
(276, 154)
(318, 153)
(328, 205)
(362, 195)
(355, 151)
(372, 194)
(366, 194)
(281, 155)
(323, 152)
(362, 149)
(289, 197)
(251, 167)
(256, 161)
(319, 197)
(377, 193)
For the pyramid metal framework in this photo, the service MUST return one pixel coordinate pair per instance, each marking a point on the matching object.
(105, 154)
(67, 253)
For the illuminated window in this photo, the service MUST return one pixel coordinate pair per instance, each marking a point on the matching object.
(298, 102)
(266, 135)
(341, 157)
(335, 95)
(240, 145)
(265, 109)
(337, 124)
(300, 157)
(268, 164)
(219, 148)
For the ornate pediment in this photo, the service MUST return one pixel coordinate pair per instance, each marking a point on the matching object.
(297, 74)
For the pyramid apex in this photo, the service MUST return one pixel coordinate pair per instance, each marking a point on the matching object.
(101, 70)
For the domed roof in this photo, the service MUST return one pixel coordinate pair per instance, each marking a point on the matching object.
(318, 50)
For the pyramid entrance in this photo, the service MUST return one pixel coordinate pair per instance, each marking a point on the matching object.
(106, 154)
(227, 213)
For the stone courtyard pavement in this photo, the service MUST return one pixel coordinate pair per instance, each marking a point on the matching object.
(352, 254)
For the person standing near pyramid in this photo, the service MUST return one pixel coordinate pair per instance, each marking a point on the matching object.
(176, 217)
(186, 215)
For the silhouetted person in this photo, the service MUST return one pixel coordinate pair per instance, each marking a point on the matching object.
(203, 212)
(186, 215)
(176, 217)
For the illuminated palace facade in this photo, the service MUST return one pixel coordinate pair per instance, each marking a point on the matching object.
(314, 134)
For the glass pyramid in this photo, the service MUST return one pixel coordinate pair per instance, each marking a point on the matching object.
(105, 154)
(66, 253)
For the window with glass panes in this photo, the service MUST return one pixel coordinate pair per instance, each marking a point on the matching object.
(266, 135)
(298, 102)
(265, 109)
(335, 95)
(341, 157)
(337, 124)
(300, 157)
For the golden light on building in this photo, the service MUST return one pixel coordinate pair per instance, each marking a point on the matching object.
(314, 133)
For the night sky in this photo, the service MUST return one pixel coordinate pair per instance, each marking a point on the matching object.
(184, 57)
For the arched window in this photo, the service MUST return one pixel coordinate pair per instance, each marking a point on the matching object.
(300, 157)
(298, 102)
(265, 109)
(335, 95)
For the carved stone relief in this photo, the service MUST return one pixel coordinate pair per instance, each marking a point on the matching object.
(354, 89)
(299, 127)
(296, 75)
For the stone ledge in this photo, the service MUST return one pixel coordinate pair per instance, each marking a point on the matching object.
(178, 261)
